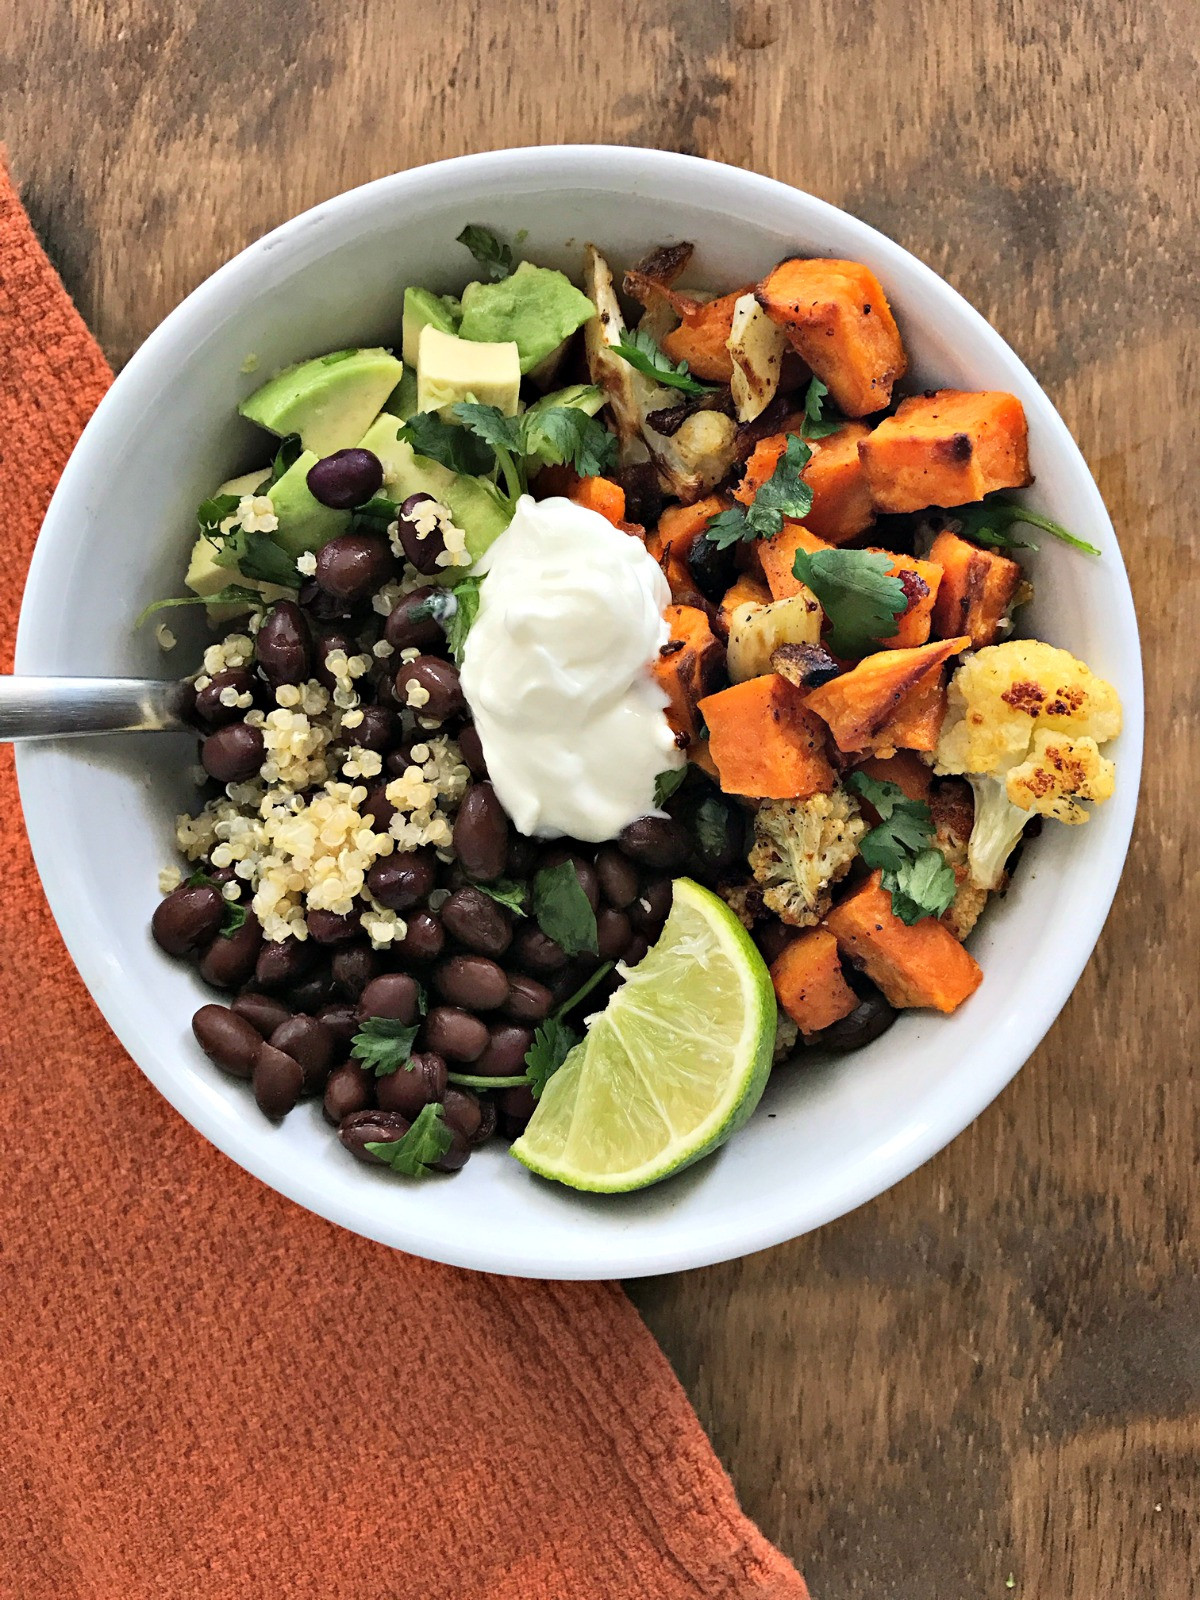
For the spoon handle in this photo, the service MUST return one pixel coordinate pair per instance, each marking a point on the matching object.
(56, 708)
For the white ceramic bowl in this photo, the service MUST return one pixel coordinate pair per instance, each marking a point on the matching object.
(100, 813)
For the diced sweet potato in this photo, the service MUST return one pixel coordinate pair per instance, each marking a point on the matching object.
(808, 981)
(841, 507)
(976, 591)
(702, 338)
(921, 581)
(906, 770)
(919, 966)
(602, 495)
(765, 742)
(837, 317)
(917, 720)
(945, 449)
(861, 702)
(748, 589)
(777, 557)
(672, 539)
(689, 666)
(701, 756)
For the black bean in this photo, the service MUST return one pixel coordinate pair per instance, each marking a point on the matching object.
(477, 921)
(379, 730)
(534, 951)
(618, 877)
(557, 855)
(231, 959)
(456, 1156)
(334, 927)
(416, 1084)
(311, 1044)
(422, 549)
(514, 1108)
(234, 753)
(219, 875)
(522, 856)
(312, 991)
(346, 479)
(187, 918)
(651, 908)
(639, 946)
(227, 1039)
(354, 565)
(326, 645)
(261, 1011)
(871, 1017)
(284, 961)
(378, 807)
(210, 708)
(658, 842)
(472, 750)
(467, 1114)
(352, 968)
(321, 607)
(360, 1128)
(397, 762)
(423, 939)
(278, 1081)
(613, 933)
(528, 1000)
(400, 882)
(712, 567)
(350, 1088)
(283, 647)
(453, 1034)
(395, 995)
(508, 1044)
(341, 1018)
(436, 679)
(481, 834)
(410, 626)
(473, 982)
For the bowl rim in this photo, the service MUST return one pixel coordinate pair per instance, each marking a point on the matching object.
(612, 168)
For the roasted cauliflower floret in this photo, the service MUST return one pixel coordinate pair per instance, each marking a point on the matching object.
(953, 812)
(1024, 723)
(787, 1036)
(801, 849)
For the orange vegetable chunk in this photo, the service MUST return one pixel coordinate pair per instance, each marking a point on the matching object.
(945, 449)
(841, 507)
(602, 495)
(746, 589)
(670, 542)
(836, 315)
(765, 742)
(777, 557)
(860, 703)
(905, 769)
(688, 667)
(808, 980)
(976, 591)
(923, 966)
(702, 338)
(913, 624)
(917, 721)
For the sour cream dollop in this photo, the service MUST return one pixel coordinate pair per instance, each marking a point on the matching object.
(556, 670)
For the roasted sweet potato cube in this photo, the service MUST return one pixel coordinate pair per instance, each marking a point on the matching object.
(862, 702)
(602, 495)
(808, 980)
(765, 742)
(945, 449)
(841, 507)
(747, 589)
(923, 965)
(906, 770)
(689, 666)
(917, 721)
(921, 580)
(702, 338)
(836, 315)
(672, 539)
(777, 557)
(976, 590)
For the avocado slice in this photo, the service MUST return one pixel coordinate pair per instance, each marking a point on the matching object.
(402, 402)
(451, 369)
(537, 308)
(304, 523)
(329, 401)
(424, 309)
(470, 501)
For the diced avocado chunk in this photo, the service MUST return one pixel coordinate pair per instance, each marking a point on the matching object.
(402, 402)
(471, 502)
(424, 309)
(451, 369)
(329, 401)
(537, 308)
(304, 523)
(586, 397)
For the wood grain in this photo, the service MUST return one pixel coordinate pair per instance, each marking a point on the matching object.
(994, 1369)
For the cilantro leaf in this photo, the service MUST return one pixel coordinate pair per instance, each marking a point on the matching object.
(211, 513)
(457, 622)
(289, 452)
(376, 514)
(232, 594)
(489, 424)
(900, 847)
(450, 446)
(666, 784)
(234, 918)
(552, 1044)
(816, 425)
(384, 1045)
(729, 527)
(493, 257)
(785, 494)
(505, 892)
(256, 555)
(710, 824)
(563, 911)
(988, 522)
(644, 356)
(557, 434)
(426, 1141)
(857, 594)
(922, 886)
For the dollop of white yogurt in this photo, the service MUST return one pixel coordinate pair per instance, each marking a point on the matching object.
(556, 670)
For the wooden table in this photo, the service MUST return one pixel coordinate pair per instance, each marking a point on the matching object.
(993, 1370)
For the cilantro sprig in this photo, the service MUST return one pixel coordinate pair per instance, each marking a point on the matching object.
(643, 354)
(384, 1045)
(666, 783)
(816, 424)
(914, 871)
(415, 1152)
(231, 594)
(253, 554)
(493, 257)
(507, 892)
(857, 593)
(437, 440)
(562, 910)
(785, 494)
(989, 521)
(552, 1044)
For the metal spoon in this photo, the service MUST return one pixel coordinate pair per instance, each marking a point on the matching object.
(57, 708)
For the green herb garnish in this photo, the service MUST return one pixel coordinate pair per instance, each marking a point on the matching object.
(493, 257)
(457, 623)
(437, 440)
(988, 522)
(857, 593)
(505, 892)
(232, 594)
(644, 356)
(563, 911)
(384, 1045)
(426, 1141)
(666, 784)
(915, 873)
(785, 494)
(816, 425)
(289, 452)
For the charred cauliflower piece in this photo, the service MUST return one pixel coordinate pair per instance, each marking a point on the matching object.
(1024, 724)
(801, 849)
(952, 809)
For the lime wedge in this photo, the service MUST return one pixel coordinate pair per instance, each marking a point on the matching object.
(672, 1066)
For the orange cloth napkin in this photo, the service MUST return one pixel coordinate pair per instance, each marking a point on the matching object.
(206, 1392)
